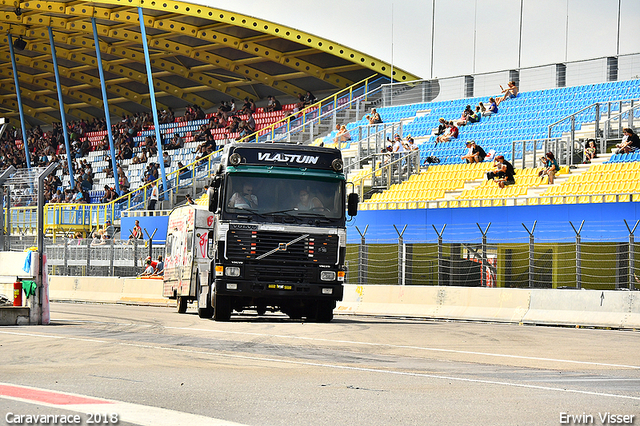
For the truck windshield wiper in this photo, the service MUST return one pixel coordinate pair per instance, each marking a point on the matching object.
(286, 211)
(239, 211)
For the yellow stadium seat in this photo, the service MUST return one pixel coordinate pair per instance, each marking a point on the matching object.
(545, 200)
(624, 198)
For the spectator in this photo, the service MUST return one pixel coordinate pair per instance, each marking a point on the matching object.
(630, 142)
(176, 142)
(189, 199)
(136, 232)
(550, 167)
(503, 172)
(273, 105)
(493, 108)
(510, 92)
(475, 115)
(153, 196)
(183, 172)
(442, 127)
(450, 133)
(159, 269)
(109, 230)
(300, 104)
(166, 159)
(343, 135)
(590, 152)
(374, 118)
(465, 116)
(309, 99)
(148, 269)
(109, 195)
(123, 181)
(475, 153)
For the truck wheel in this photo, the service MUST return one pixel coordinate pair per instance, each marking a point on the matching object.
(222, 308)
(206, 311)
(182, 304)
(324, 312)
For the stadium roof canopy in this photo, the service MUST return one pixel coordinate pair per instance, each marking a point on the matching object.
(200, 55)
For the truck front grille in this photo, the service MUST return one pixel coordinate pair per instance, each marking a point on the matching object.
(249, 245)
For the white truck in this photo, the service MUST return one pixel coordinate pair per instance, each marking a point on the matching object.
(272, 239)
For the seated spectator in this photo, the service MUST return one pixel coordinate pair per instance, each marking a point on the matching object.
(475, 153)
(465, 116)
(166, 159)
(493, 108)
(509, 93)
(450, 133)
(343, 135)
(630, 142)
(300, 104)
(175, 143)
(148, 269)
(189, 199)
(109, 195)
(309, 99)
(475, 115)
(503, 172)
(183, 172)
(481, 108)
(141, 158)
(590, 152)
(123, 181)
(550, 167)
(273, 105)
(136, 232)
(159, 268)
(374, 118)
(442, 127)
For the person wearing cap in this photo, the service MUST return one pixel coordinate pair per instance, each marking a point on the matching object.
(503, 173)
(109, 230)
(148, 269)
(475, 153)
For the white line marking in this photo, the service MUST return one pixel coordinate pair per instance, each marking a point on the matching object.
(343, 367)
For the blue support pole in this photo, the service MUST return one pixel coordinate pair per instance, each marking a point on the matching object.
(17, 84)
(63, 117)
(105, 104)
(152, 98)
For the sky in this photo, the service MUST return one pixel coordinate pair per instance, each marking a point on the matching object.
(471, 36)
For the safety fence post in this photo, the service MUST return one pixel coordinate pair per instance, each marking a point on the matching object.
(440, 257)
(402, 256)
(484, 253)
(632, 254)
(578, 255)
(531, 251)
(362, 257)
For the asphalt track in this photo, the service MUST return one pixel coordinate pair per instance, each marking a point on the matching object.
(152, 366)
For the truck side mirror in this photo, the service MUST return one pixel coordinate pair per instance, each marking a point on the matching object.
(352, 204)
(213, 199)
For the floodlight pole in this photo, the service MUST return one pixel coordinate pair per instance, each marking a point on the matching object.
(63, 117)
(105, 104)
(152, 98)
(19, 96)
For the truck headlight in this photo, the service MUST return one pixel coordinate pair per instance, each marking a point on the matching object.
(232, 271)
(327, 276)
(327, 291)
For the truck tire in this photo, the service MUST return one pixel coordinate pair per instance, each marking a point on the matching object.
(182, 304)
(324, 312)
(222, 308)
(206, 311)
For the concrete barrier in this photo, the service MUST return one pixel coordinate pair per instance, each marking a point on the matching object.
(483, 304)
(619, 309)
(107, 290)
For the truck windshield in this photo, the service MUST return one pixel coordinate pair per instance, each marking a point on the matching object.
(277, 195)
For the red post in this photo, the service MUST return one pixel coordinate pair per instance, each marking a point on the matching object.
(17, 293)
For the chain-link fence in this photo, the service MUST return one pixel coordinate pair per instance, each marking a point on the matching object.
(558, 256)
